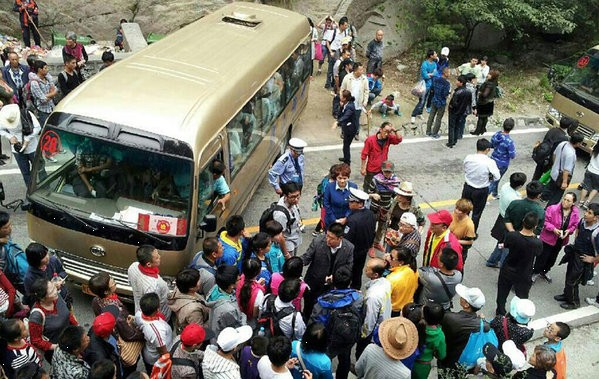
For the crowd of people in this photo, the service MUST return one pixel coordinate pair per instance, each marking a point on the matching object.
(263, 307)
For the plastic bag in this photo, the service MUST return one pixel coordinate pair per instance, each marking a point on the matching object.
(546, 177)
(317, 50)
(474, 347)
(419, 89)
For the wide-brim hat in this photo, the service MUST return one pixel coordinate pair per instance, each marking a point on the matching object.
(405, 189)
(399, 337)
(10, 116)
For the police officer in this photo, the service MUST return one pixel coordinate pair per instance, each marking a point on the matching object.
(289, 167)
(360, 228)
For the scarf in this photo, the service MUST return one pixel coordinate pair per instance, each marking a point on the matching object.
(149, 271)
(157, 316)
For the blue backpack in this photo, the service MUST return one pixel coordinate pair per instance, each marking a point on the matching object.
(16, 264)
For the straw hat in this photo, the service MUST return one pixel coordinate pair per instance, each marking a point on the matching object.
(399, 337)
(10, 116)
(405, 189)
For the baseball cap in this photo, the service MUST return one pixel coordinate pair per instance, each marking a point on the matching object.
(473, 296)
(502, 364)
(229, 338)
(194, 334)
(388, 166)
(445, 51)
(410, 219)
(522, 310)
(104, 324)
(441, 217)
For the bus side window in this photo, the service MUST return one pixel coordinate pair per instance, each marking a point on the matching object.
(207, 196)
(244, 135)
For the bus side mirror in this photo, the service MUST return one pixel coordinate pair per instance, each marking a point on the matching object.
(208, 224)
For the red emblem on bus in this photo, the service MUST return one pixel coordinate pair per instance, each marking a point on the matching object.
(163, 226)
(51, 144)
(583, 61)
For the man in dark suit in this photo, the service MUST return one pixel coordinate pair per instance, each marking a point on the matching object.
(324, 256)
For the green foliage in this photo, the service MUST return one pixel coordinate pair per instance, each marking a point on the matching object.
(516, 17)
(558, 72)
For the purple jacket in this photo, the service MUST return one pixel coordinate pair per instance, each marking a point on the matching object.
(553, 220)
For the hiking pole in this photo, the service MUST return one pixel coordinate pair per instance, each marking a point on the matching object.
(36, 29)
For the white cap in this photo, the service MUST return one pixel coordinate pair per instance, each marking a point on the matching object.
(410, 219)
(445, 51)
(522, 310)
(229, 338)
(473, 296)
(516, 355)
(357, 195)
(297, 144)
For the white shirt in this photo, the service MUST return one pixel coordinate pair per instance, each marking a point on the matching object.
(286, 323)
(156, 333)
(594, 164)
(477, 168)
(356, 91)
(378, 304)
(334, 249)
(266, 372)
(17, 132)
(336, 44)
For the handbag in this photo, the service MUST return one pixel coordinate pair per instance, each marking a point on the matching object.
(317, 50)
(474, 348)
(419, 89)
(130, 351)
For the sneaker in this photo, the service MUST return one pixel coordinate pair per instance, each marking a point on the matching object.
(547, 278)
(412, 119)
(535, 277)
(592, 301)
(436, 136)
(52, 159)
(590, 283)
(560, 297)
(570, 306)
(492, 265)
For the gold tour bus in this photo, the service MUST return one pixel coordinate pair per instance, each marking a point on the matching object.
(577, 96)
(124, 159)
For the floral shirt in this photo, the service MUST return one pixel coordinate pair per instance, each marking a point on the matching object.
(68, 366)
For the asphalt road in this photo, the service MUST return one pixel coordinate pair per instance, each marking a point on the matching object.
(436, 173)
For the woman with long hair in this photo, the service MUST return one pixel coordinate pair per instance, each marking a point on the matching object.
(313, 351)
(590, 184)
(485, 102)
(250, 290)
(560, 223)
(346, 121)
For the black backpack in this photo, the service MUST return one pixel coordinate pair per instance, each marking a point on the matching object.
(26, 121)
(344, 325)
(270, 319)
(267, 216)
(541, 154)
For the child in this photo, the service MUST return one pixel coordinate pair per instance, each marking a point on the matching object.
(273, 365)
(156, 330)
(555, 334)
(278, 251)
(434, 345)
(292, 269)
(250, 355)
(375, 84)
(386, 105)
(220, 186)
(107, 60)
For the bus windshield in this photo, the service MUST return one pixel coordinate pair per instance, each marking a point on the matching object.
(584, 78)
(113, 183)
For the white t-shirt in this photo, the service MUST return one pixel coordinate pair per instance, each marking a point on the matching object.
(266, 371)
(157, 333)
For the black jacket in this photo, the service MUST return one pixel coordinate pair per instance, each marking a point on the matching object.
(318, 257)
(99, 349)
(360, 229)
(460, 101)
(346, 118)
(457, 327)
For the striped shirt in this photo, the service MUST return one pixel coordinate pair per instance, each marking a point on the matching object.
(156, 333)
(142, 284)
(17, 357)
(215, 366)
(375, 363)
(39, 90)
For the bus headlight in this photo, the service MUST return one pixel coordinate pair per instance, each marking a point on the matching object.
(554, 113)
(595, 137)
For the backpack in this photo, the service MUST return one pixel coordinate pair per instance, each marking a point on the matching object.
(184, 361)
(27, 97)
(16, 265)
(541, 153)
(26, 121)
(320, 190)
(270, 319)
(267, 216)
(343, 323)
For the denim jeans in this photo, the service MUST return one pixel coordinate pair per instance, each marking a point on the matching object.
(420, 106)
(498, 256)
(25, 163)
(495, 183)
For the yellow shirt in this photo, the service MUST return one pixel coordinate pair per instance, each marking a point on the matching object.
(404, 282)
(428, 253)
(462, 228)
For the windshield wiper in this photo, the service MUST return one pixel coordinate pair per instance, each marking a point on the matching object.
(146, 234)
(58, 207)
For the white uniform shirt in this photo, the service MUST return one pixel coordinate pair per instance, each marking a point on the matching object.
(477, 168)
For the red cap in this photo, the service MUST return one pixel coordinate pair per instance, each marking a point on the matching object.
(193, 334)
(104, 324)
(441, 217)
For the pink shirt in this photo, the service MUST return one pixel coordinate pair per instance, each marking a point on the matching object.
(275, 282)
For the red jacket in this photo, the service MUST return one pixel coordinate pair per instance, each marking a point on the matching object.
(376, 154)
(449, 239)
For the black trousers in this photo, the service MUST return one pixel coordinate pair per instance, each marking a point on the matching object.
(361, 345)
(553, 192)
(478, 196)
(310, 297)
(343, 354)
(348, 137)
(358, 268)
(509, 278)
(574, 276)
(31, 30)
(546, 260)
